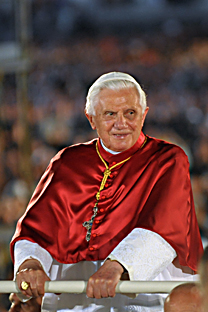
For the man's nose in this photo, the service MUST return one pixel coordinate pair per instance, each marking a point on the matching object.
(120, 122)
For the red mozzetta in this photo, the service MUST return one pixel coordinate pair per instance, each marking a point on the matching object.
(151, 190)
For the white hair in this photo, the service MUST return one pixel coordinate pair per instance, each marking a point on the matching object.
(113, 81)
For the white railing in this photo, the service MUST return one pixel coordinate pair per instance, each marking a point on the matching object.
(78, 287)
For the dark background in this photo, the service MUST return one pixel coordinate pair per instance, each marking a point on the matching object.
(50, 53)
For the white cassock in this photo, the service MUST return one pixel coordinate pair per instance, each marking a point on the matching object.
(145, 255)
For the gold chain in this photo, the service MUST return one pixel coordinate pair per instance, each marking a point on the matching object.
(107, 172)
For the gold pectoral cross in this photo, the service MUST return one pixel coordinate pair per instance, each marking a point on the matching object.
(88, 224)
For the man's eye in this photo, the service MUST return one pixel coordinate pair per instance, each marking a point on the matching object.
(109, 113)
(130, 114)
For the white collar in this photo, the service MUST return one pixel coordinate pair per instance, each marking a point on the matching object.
(107, 149)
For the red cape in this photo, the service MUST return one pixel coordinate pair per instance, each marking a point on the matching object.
(152, 190)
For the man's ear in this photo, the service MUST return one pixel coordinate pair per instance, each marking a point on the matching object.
(91, 120)
(144, 115)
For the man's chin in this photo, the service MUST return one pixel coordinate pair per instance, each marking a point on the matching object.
(120, 146)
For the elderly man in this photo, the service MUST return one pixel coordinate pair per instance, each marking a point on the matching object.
(117, 205)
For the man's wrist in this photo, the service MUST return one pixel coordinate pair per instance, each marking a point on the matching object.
(114, 260)
(30, 264)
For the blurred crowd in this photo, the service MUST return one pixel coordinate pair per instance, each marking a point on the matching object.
(173, 70)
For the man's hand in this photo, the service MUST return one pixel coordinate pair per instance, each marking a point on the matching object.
(33, 274)
(32, 305)
(102, 284)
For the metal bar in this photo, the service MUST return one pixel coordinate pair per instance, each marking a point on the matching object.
(78, 287)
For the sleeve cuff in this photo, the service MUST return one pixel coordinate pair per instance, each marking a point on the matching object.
(144, 254)
(24, 250)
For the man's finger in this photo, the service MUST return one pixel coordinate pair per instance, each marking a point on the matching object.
(89, 289)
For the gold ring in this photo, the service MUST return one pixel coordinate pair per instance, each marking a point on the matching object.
(24, 285)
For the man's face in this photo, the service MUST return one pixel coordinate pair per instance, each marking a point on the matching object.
(118, 118)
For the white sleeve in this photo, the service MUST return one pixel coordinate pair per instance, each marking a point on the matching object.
(25, 249)
(144, 254)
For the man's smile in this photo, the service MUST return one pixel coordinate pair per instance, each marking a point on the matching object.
(120, 135)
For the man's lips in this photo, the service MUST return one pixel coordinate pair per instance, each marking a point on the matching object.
(120, 135)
